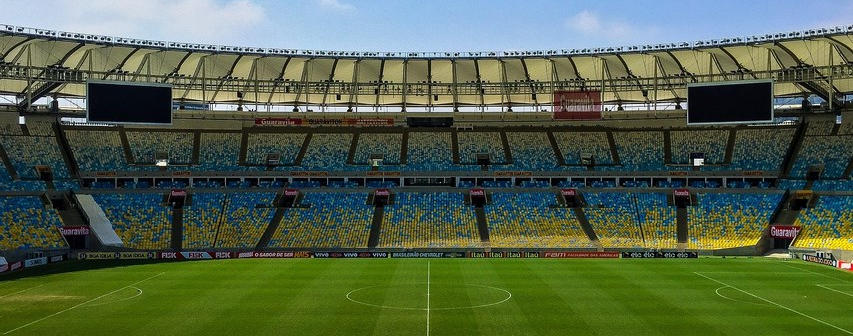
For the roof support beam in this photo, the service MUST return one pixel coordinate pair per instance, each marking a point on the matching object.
(328, 83)
(455, 87)
(278, 80)
(378, 88)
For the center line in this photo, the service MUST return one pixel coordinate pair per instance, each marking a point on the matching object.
(427, 308)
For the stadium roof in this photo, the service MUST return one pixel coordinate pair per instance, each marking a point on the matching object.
(38, 62)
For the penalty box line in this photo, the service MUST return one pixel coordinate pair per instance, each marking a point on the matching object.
(82, 304)
(777, 304)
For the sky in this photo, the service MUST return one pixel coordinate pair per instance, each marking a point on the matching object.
(426, 25)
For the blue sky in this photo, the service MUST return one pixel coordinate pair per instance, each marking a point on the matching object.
(426, 25)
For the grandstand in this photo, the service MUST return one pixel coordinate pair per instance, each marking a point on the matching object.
(321, 119)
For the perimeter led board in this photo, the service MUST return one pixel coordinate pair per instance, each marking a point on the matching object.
(128, 103)
(741, 102)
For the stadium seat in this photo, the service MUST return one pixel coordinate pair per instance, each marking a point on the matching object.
(526, 220)
(429, 220)
(728, 220)
(140, 220)
(287, 145)
(26, 224)
(473, 143)
(829, 225)
(145, 145)
(332, 220)
(387, 144)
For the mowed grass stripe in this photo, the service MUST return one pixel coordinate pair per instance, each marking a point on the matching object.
(550, 297)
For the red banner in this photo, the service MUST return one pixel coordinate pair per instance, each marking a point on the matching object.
(577, 105)
(573, 254)
(784, 231)
(74, 230)
(178, 193)
(259, 254)
(569, 192)
(681, 193)
(291, 192)
(368, 121)
(382, 192)
(477, 192)
(277, 121)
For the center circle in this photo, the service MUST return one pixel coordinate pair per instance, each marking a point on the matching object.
(435, 296)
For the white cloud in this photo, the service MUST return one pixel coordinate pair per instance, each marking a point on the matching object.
(591, 25)
(335, 5)
(207, 21)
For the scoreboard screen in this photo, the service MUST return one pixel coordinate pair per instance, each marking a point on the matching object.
(740, 102)
(128, 103)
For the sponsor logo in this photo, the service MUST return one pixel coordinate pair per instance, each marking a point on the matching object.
(35, 262)
(97, 255)
(477, 192)
(56, 258)
(258, 254)
(277, 121)
(682, 192)
(569, 192)
(105, 174)
(513, 173)
(803, 194)
(135, 255)
(661, 255)
(15, 265)
(819, 260)
(425, 255)
(383, 173)
(291, 192)
(168, 255)
(222, 255)
(678, 173)
(196, 255)
(784, 231)
(179, 193)
(577, 105)
(551, 254)
(74, 230)
(182, 173)
(382, 192)
(308, 173)
(368, 121)
(753, 173)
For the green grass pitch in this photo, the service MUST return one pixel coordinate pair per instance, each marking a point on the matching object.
(743, 296)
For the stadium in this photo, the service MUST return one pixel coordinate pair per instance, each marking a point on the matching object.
(216, 190)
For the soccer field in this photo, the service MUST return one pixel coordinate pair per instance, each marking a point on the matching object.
(744, 296)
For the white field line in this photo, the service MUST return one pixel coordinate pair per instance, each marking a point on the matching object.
(776, 304)
(835, 290)
(82, 304)
(427, 307)
(20, 291)
(821, 274)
